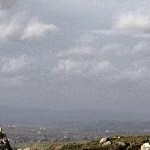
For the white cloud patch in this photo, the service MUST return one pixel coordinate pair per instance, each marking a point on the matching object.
(11, 29)
(14, 65)
(38, 30)
(18, 27)
(133, 22)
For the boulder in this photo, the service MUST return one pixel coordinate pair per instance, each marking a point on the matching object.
(103, 140)
(106, 143)
(145, 146)
(121, 144)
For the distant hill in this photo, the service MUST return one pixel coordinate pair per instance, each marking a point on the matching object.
(40, 116)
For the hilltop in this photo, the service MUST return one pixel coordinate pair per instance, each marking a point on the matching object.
(117, 143)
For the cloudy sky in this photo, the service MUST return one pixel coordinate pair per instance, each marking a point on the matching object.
(75, 54)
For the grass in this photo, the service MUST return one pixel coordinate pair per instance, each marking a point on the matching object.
(135, 143)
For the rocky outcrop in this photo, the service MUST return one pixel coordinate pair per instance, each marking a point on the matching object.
(103, 140)
(145, 146)
(121, 144)
(106, 143)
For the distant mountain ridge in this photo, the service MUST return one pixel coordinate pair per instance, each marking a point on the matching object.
(40, 116)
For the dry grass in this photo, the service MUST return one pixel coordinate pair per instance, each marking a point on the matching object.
(134, 141)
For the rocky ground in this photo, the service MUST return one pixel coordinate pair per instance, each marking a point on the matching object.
(111, 143)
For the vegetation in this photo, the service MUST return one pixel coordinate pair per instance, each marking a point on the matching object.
(132, 142)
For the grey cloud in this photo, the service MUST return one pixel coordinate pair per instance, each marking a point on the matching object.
(13, 70)
(6, 4)
(12, 82)
(21, 25)
(78, 70)
(81, 67)
(102, 61)
(12, 65)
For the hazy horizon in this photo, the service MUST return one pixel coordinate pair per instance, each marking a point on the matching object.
(75, 55)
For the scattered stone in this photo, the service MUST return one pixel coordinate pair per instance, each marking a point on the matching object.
(121, 144)
(106, 143)
(145, 146)
(103, 140)
(59, 147)
(27, 149)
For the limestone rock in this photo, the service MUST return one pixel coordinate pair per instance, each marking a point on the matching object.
(145, 146)
(106, 143)
(103, 140)
(121, 144)
(27, 149)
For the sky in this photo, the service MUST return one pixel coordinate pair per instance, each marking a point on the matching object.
(75, 54)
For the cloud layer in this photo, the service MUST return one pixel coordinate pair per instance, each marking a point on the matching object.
(6, 4)
(98, 60)
(21, 26)
(133, 22)
(38, 30)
